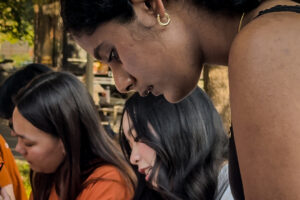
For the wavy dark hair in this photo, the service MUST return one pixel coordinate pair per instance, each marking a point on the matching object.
(84, 16)
(14, 83)
(189, 141)
(59, 104)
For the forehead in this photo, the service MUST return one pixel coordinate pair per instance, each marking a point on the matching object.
(22, 126)
(112, 32)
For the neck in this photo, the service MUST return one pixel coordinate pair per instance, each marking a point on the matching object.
(216, 32)
(212, 32)
(217, 37)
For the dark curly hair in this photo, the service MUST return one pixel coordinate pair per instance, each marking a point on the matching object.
(189, 141)
(84, 16)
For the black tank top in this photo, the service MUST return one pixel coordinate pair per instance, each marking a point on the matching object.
(234, 169)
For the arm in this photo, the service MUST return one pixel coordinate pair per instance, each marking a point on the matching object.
(264, 77)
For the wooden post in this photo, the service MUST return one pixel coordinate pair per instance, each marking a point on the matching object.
(89, 75)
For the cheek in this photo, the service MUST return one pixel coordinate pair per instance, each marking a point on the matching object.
(38, 154)
(147, 153)
(143, 60)
(45, 160)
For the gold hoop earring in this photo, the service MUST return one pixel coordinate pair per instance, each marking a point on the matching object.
(163, 23)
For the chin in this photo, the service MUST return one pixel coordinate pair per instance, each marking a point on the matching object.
(177, 96)
(45, 171)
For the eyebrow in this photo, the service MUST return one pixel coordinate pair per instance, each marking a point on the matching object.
(19, 135)
(96, 51)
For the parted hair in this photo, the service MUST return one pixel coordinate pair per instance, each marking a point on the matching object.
(189, 141)
(59, 104)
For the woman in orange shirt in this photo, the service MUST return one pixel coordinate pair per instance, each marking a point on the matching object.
(9, 175)
(70, 154)
(10, 178)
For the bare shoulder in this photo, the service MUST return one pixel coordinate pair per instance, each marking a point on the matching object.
(264, 78)
(268, 34)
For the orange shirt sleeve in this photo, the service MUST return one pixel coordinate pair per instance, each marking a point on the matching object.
(4, 177)
(10, 171)
(112, 186)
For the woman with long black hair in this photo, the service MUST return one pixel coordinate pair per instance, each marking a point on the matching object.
(60, 135)
(181, 149)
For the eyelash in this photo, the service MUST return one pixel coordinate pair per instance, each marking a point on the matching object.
(113, 56)
(28, 145)
(136, 139)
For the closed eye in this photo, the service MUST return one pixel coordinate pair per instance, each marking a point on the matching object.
(136, 139)
(28, 144)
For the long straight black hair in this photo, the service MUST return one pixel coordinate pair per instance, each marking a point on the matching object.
(58, 103)
(189, 141)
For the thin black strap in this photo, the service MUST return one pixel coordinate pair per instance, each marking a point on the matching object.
(280, 8)
(235, 179)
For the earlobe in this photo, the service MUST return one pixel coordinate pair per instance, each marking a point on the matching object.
(159, 8)
(162, 16)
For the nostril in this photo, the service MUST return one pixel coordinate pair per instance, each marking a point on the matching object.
(128, 88)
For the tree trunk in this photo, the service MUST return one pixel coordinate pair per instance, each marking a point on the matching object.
(48, 34)
(217, 87)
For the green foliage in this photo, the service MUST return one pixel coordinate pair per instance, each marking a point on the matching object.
(21, 59)
(24, 171)
(16, 20)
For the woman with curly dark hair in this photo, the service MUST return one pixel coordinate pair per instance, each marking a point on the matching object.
(160, 46)
(180, 148)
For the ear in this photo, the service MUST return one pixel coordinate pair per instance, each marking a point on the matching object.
(155, 5)
(149, 7)
(159, 7)
(62, 147)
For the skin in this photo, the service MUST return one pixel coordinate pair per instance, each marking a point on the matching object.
(142, 155)
(268, 135)
(7, 192)
(263, 61)
(154, 58)
(43, 152)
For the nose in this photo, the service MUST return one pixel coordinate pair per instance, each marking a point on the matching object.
(123, 80)
(134, 157)
(19, 148)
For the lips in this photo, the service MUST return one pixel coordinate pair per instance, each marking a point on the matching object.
(147, 171)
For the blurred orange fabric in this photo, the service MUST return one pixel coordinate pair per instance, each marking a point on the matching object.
(10, 173)
(111, 186)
